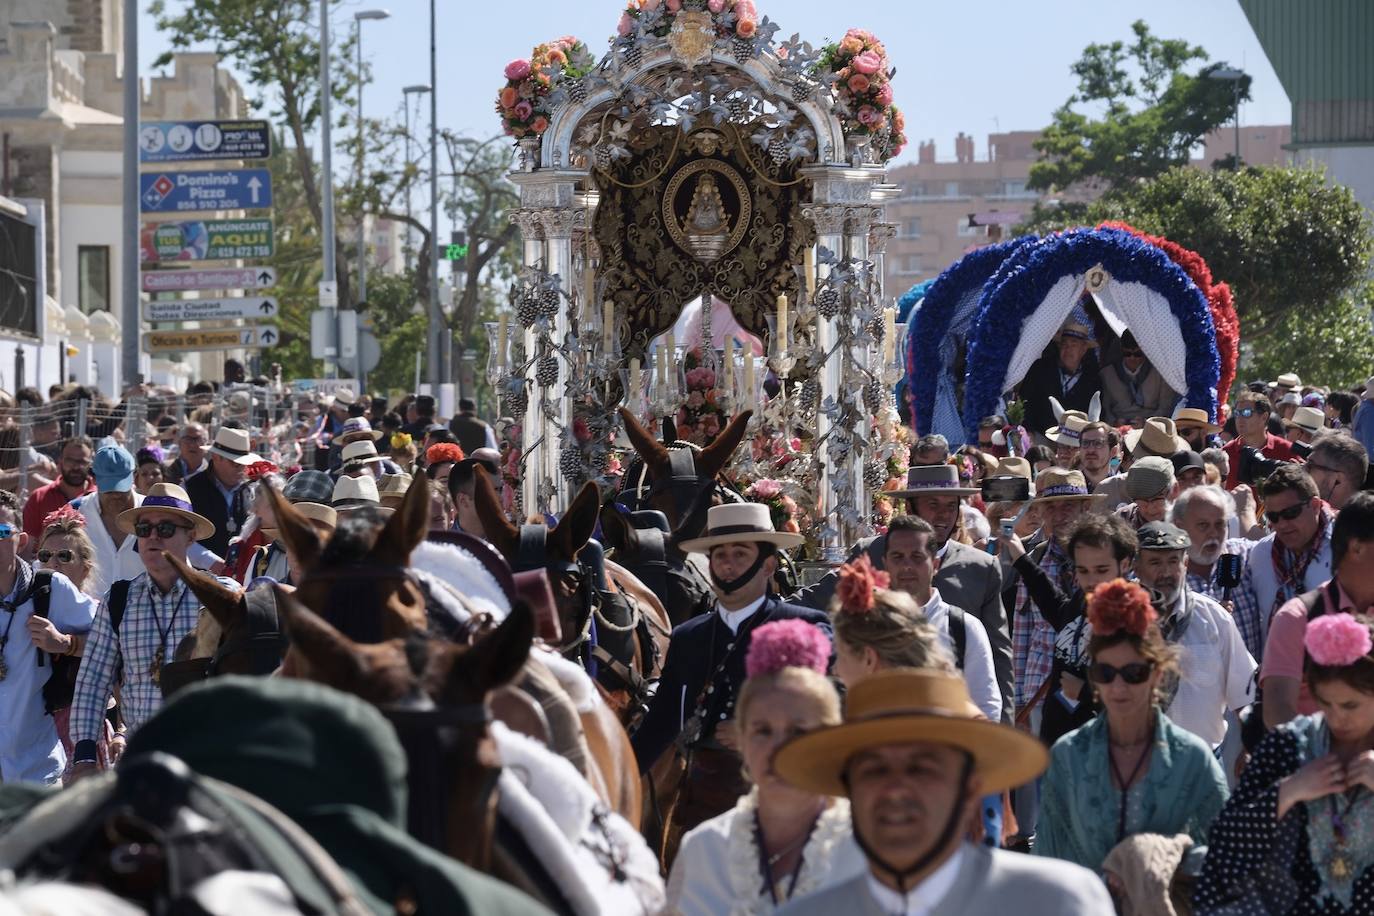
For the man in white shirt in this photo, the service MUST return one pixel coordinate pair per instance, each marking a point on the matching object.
(913, 763)
(910, 561)
(1216, 673)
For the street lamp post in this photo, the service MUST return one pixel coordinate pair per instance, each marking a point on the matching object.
(1234, 77)
(437, 324)
(418, 89)
(358, 18)
(329, 297)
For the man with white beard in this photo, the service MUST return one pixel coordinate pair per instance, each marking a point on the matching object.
(1216, 673)
(1205, 513)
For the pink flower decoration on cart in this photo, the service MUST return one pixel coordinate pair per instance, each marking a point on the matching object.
(787, 644)
(1337, 640)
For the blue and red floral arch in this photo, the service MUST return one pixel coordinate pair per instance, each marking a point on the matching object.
(1141, 288)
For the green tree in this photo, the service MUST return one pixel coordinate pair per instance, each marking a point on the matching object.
(1332, 346)
(1136, 113)
(1291, 245)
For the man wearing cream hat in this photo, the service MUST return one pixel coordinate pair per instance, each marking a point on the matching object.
(704, 667)
(913, 759)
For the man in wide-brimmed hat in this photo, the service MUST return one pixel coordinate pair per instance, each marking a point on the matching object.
(360, 459)
(354, 494)
(966, 577)
(220, 494)
(704, 668)
(1305, 424)
(1195, 427)
(914, 760)
(1068, 372)
(141, 624)
(1066, 436)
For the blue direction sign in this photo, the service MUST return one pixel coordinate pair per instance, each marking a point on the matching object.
(194, 192)
(186, 141)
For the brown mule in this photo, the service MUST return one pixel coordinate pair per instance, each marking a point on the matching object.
(236, 633)
(562, 544)
(454, 681)
(668, 494)
(348, 588)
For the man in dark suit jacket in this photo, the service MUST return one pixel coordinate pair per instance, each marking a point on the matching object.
(704, 669)
(219, 494)
(967, 578)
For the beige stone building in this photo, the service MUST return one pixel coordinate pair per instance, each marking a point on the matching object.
(61, 135)
(952, 204)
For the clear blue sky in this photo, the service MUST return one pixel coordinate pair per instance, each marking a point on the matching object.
(963, 65)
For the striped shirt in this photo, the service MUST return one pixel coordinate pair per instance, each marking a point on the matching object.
(151, 620)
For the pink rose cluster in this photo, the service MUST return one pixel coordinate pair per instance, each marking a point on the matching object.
(745, 23)
(861, 68)
(1337, 640)
(520, 102)
(764, 489)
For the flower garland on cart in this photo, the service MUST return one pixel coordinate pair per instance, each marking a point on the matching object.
(523, 102)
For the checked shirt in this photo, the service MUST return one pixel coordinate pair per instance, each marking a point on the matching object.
(1032, 637)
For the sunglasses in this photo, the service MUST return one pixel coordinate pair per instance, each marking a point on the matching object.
(63, 556)
(1134, 673)
(1246, 412)
(7, 532)
(1286, 515)
(163, 529)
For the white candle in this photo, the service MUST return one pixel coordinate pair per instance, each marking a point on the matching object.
(810, 270)
(749, 379)
(661, 364)
(889, 334)
(501, 333)
(669, 357)
(588, 287)
(729, 366)
(632, 396)
(780, 345)
(607, 326)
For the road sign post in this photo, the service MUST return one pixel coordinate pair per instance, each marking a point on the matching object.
(163, 310)
(206, 240)
(245, 338)
(188, 141)
(194, 192)
(176, 281)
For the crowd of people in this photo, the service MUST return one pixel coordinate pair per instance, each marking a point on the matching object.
(1127, 640)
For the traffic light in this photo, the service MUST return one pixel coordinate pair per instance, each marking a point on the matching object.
(456, 252)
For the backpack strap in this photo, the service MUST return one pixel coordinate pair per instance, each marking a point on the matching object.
(958, 634)
(119, 597)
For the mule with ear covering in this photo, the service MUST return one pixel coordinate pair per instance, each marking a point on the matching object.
(675, 475)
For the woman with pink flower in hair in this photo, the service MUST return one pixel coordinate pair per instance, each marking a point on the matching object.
(1130, 772)
(1298, 835)
(778, 842)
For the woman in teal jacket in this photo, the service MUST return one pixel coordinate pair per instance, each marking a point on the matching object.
(1130, 770)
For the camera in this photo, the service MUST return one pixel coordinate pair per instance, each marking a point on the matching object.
(1005, 489)
(1254, 467)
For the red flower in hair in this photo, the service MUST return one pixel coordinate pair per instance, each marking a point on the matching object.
(443, 451)
(260, 469)
(1120, 605)
(62, 514)
(858, 579)
(787, 644)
